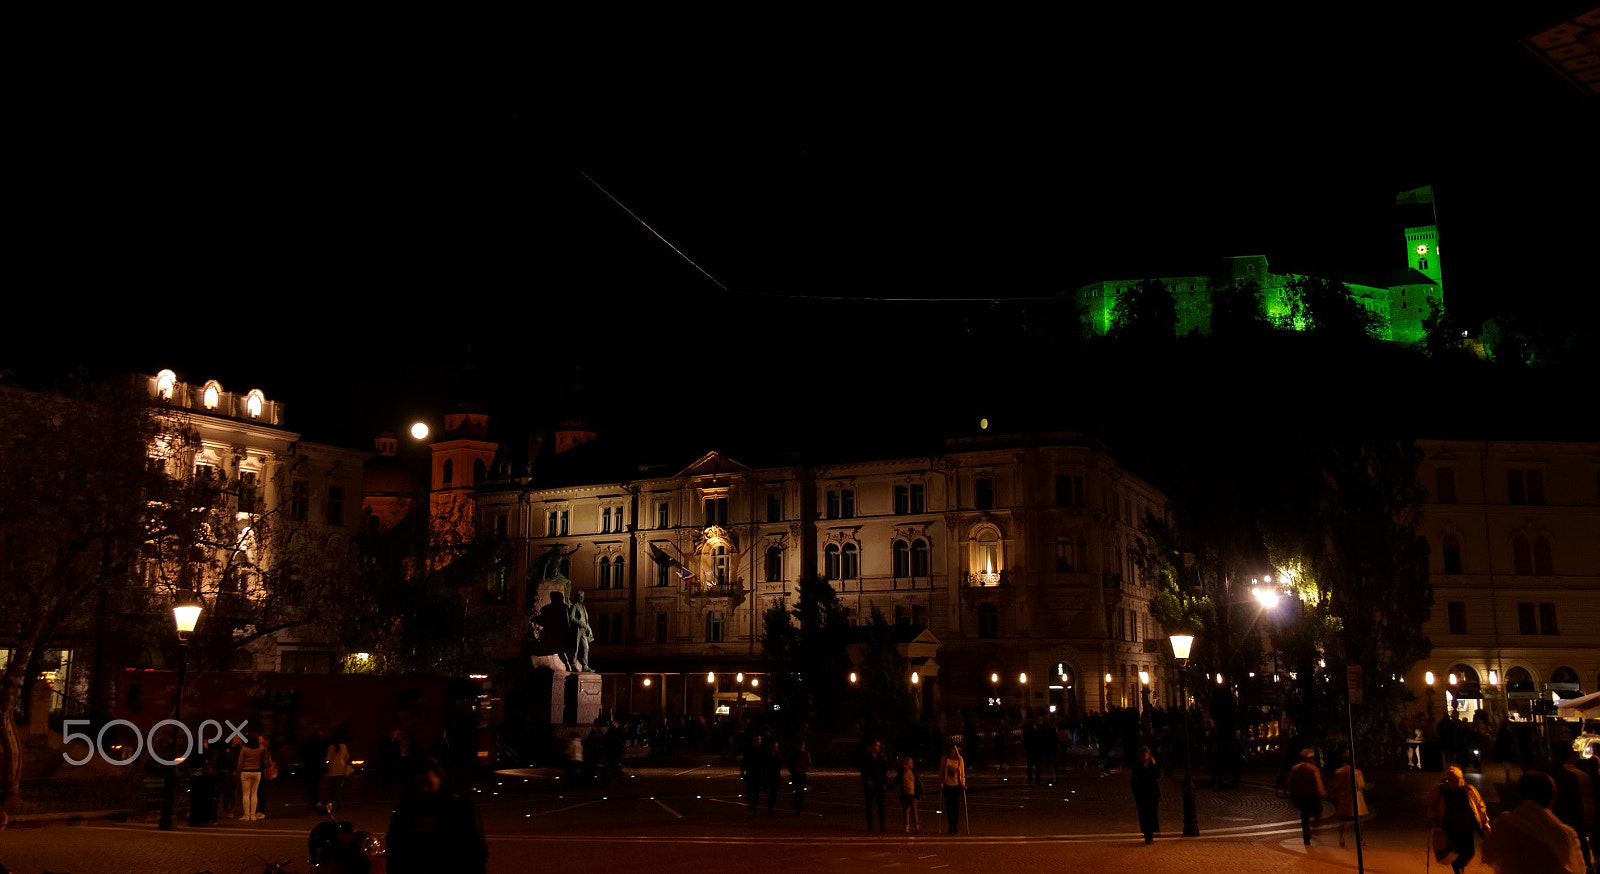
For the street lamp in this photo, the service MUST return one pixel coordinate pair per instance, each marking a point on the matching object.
(1428, 678)
(1144, 691)
(185, 615)
(1181, 644)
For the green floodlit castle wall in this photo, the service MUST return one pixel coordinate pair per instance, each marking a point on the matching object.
(1401, 302)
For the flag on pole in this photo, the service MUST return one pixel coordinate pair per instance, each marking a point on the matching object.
(688, 576)
(1415, 195)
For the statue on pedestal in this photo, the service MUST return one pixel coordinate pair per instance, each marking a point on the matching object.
(582, 634)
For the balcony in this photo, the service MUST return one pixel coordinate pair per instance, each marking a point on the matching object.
(984, 580)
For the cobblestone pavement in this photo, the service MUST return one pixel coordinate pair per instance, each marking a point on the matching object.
(682, 814)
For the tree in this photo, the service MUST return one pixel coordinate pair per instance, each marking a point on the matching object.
(1145, 313)
(81, 503)
(808, 658)
(888, 703)
(1325, 308)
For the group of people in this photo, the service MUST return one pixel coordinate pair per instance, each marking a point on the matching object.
(1555, 827)
(762, 766)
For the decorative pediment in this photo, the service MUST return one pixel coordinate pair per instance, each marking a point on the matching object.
(913, 531)
(713, 463)
(842, 534)
(714, 536)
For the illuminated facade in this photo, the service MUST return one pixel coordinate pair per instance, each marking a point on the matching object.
(1514, 529)
(1400, 301)
(312, 491)
(1011, 551)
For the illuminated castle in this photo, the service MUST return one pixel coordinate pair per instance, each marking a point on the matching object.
(1400, 299)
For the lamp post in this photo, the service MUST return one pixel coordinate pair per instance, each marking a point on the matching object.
(1181, 644)
(185, 615)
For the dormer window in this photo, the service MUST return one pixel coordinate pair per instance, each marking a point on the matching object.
(165, 380)
(254, 402)
(212, 395)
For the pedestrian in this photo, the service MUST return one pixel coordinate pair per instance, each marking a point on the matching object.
(1456, 809)
(910, 792)
(750, 769)
(1530, 839)
(339, 767)
(874, 781)
(772, 774)
(389, 756)
(1146, 783)
(1304, 785)
(799, 770)
(952, 784)
(433, 829)
(254, 758)
(1505, 748)
(1575, 803)
(1349, 794)
(226, 764)
(313, 764)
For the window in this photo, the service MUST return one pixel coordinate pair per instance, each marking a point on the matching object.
(303, 662)
(563, 523)
(714, 627)
(1069, 491)
(1458, 616)
(1536, 487)
(605, 520)
(841, 503)
(1532, 556)
(299, 500)
(919, 558)
(987, 566)
(716, 512)
(1526, 621)
(204, 470)
(1451, 547)
(661, 514)
(830, 561)
(988, 621)
(502, 524)
(1445, 485)
(849, 566)
(335, 505)
(983, 493)
(448, 474)
(1515, 491)
(480, 471)
(900, 559)
(1066, 555)
(774, 564)
(774, 506)
(551, 527)
(661, 628)
(719, 564)
(663, 574)
(1547, 618)
(617, 579)
(605, 572)
(499, 575)
(248, 495)
(910, 499)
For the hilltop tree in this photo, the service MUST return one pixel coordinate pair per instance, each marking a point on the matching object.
(1145, 313)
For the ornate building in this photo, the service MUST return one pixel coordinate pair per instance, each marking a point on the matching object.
(1515, 534)
(1010, 553)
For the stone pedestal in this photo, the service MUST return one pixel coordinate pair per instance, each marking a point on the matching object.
(572, 698)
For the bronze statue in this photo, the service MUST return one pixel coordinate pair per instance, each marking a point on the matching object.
(582, 634)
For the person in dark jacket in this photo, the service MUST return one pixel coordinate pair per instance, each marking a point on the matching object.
(1147, 793)
(434, 829)
(874, 781)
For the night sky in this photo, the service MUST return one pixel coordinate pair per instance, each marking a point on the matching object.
(339, 219)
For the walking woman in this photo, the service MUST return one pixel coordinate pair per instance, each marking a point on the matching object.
(1349, 794)
(1147, 793)
(254, 757)
(953, 783)
(1458, 810)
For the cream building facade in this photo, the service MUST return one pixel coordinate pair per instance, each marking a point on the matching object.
(1012, 552)
(1514, 529)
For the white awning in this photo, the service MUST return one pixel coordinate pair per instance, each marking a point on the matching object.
(1581, 708)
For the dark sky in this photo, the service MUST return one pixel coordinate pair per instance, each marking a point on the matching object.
(322, 215)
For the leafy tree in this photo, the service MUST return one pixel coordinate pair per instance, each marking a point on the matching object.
(79, 506)
(1145, 313)
(888, 702)
(1238, 312)
(1326, 308)
(808, 659)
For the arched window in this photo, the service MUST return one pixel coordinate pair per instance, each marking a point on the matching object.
(919, 558)
(849, 566)
(253, 403)
(617, 579)
(1543, 560)
(448, 474)
(986, 564)
(719, 562)
(1451, 549)
(212, 395)
(774, 564)
(605, 572)
(830, 561)
(900, 555)
(165, 380)
(1532, 556)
